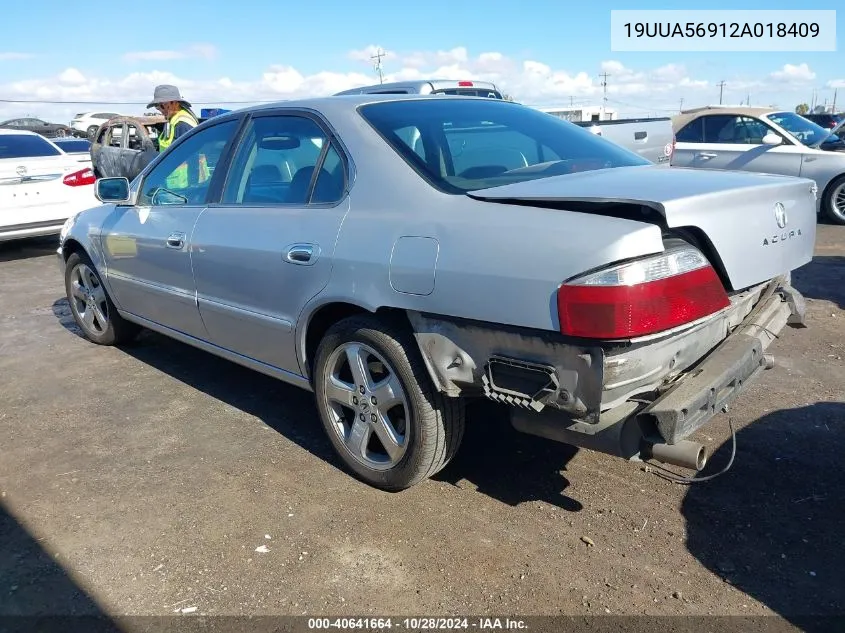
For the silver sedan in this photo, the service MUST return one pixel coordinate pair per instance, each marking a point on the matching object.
(766, 141)
(397, 255)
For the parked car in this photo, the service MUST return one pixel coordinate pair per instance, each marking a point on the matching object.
(767, 141)
(79, 148)
(125, 145)
(651, 138)
(86, 124)
(29, 124)
(41, 186)
(606, 302)
(464, 88)
(824, 120)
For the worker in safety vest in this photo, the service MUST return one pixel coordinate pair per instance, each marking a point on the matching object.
(180, 120)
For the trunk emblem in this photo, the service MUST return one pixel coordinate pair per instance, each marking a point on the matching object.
(21, 170)
(780, 215)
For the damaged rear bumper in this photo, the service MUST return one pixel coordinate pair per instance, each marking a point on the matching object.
(556, 389)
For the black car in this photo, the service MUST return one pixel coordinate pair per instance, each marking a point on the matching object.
(827, 121)
(50, 130)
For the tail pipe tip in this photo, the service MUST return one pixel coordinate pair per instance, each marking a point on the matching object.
(684, 454)
(768, 361)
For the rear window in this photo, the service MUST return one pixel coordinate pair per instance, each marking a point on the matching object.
(460, 146)
(74, 145)
(25, 146)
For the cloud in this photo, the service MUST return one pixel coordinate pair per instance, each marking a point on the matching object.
(836, 83)
(794, 74)
(11, 57)
(195, 51)
(632, 91)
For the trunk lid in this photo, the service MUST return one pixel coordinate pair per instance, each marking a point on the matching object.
(759, 225)
(31, 189)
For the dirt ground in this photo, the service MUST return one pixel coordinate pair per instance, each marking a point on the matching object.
(143, 480)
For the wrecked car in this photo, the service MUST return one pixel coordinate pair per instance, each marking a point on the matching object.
(400, 254)
(123, 146)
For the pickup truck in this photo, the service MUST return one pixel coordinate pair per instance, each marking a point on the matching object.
(651, 138)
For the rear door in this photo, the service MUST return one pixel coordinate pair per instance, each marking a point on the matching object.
(735, 142)
(266, 249)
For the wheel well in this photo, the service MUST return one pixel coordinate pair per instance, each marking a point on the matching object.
(830, 185)
(329, 314)
(71, 246)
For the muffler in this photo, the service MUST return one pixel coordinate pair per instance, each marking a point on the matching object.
(684, 454)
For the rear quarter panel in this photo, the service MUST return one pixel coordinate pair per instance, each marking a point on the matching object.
(491, 262)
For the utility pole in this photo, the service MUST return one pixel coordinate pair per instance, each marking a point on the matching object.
(378, 57)
(834, 101)
(604, 77)
(681, 107)
(721, 85)
(571, 101)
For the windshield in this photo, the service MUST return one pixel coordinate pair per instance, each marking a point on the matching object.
(802, 129)
(25, 146)
(461, 145)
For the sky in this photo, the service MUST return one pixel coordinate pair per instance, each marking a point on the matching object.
(262, 50)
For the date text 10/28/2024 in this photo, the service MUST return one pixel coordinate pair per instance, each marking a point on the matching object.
(723, 30)
(418, 624)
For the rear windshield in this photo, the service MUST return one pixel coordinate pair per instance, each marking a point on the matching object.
(25, 146)
(461, 145)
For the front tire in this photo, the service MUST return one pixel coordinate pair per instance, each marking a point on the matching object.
(92, 308)
(833, 203)
(379, 407)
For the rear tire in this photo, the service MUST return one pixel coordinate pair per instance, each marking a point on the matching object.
(379, 406)
(92, 308)
(833, 203)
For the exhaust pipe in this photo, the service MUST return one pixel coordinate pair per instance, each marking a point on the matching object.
(684, 454)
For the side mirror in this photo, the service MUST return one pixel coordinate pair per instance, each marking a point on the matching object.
(772, 139)
(112, 190)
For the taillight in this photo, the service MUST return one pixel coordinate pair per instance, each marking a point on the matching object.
(80, 178)
(641, 297)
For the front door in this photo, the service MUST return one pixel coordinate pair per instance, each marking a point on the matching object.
(146, 247)
(266, 248)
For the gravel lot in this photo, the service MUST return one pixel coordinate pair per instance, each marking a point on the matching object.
(142, 480)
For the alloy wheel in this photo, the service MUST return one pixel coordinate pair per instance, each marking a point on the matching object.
(367, 405)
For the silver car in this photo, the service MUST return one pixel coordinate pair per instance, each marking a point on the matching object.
(398, 255)
(767, 141)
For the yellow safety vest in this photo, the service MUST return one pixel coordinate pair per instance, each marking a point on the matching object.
(178, 179)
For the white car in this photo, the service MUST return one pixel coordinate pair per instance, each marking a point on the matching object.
(89, 122)
(41, 186)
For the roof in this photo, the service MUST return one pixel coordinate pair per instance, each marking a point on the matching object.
(339, 103)
(688, 115)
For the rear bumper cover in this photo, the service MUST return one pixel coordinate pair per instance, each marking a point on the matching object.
(722, 375)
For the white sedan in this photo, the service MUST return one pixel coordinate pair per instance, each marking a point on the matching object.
(41, 185)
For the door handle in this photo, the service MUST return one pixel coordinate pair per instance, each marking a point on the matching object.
(707, 155)
(176, 240)
(303, 254)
